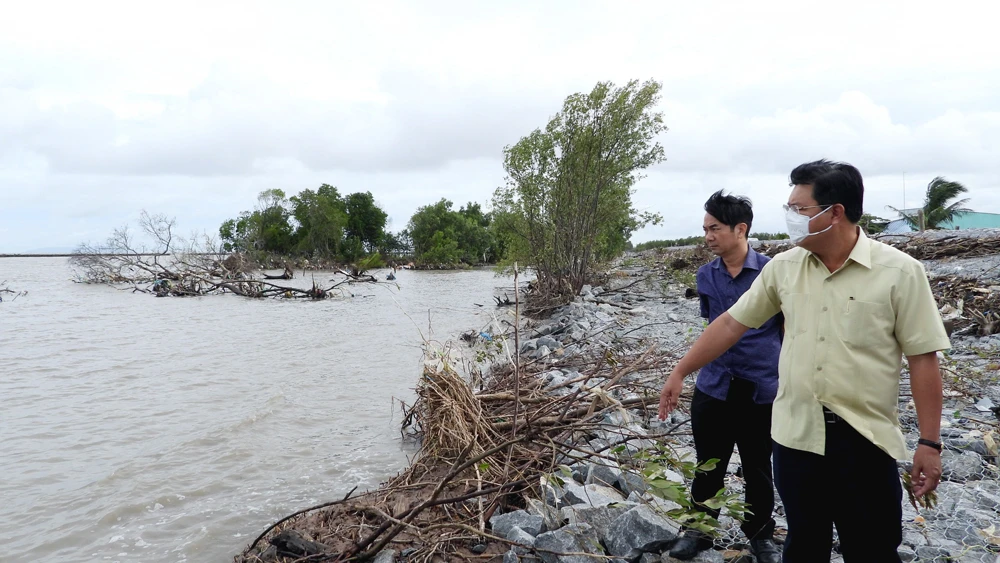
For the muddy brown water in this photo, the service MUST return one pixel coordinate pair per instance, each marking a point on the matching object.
(134, 428)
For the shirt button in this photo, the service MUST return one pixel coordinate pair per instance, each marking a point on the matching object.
(820, 368)
(824, 308)
(822, 338)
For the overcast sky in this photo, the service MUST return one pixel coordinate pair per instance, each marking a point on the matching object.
(192, 108)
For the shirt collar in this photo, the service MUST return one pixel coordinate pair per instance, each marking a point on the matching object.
(862, 251)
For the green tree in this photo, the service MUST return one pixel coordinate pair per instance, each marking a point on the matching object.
(936, 210)
(322, 218)
(567, 203)
(237, 234)
(444, 236)
(272, 231)
(365, 220)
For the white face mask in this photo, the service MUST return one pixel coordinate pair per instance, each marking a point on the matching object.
(798, 225)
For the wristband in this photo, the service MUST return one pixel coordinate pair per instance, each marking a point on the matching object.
(930, 443)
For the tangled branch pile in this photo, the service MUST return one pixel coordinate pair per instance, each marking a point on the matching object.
(968, 305)
(480, 453)
(175, 267)
(924, 247)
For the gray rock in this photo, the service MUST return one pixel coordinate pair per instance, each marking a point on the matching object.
(529, 345)
(552, 519)
(573, 538)
(598, 517)
(906, 554)
(933, 553)
(556, 381)
(674, 318)
(964, 534)
(541, 352)
(707, 556)
(523, 539)
(638, 531)
(631, 482)
(961, 467)
(649, 558)
(602, 475)
(503, 523)
(985, 499)
(593, 494)
(543, 330)
(967, 444)
(385, 556)
(913, 539)
(548, 342)
(511, 557)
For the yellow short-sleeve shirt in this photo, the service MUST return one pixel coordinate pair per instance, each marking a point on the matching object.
(844, 335)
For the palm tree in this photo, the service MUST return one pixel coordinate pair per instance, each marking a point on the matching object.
(936, 210)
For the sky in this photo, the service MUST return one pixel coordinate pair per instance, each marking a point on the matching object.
(190, 109)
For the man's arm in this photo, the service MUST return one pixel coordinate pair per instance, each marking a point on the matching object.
(720, 336)
(925, 383)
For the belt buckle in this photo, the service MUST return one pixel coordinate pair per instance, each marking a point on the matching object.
(830, 417)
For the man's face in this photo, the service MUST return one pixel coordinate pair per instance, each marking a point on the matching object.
(802, 197)
(721, 238)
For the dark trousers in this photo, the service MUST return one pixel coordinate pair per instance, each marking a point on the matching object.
(855, 486)
(718, 426)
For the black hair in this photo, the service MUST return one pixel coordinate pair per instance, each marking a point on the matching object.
(730, 210)
(833, 182)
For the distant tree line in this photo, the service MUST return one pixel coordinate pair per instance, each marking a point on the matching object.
(320, 223)
(698, 239)
(348, 228)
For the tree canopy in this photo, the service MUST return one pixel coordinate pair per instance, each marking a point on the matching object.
(567, 202)
(319, 223)
(442, 235)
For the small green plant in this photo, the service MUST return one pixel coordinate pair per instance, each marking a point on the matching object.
(659, 467)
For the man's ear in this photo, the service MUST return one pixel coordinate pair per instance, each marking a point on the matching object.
(743, 230)
(839, 213)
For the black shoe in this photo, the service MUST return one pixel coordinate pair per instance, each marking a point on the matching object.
(765, 551)
(690, 544)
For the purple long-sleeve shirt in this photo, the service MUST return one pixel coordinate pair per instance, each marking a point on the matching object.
(755, 356)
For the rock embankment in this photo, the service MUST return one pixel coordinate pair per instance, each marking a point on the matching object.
(965, 525)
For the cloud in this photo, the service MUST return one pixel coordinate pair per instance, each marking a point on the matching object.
(115, 107)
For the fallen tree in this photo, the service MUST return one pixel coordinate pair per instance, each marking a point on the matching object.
(168, 265)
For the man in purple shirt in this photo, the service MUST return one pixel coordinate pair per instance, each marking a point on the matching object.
(733, 394)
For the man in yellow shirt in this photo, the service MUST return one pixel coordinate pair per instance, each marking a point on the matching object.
(852, 308)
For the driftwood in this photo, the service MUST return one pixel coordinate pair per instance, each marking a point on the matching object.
(479, 453)
(286, 275)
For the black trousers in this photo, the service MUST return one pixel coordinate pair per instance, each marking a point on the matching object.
(737, 421)
(855, 486)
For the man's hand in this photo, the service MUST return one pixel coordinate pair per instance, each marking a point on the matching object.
(669, 394)
(926, 472)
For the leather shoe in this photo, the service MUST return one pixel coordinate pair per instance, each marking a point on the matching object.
(765, 551)
(690, 544)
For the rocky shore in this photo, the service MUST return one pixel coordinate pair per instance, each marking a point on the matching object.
(613, 488)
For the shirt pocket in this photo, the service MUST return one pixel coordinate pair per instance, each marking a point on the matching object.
(865, 324)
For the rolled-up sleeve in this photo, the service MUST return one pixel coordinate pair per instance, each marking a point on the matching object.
(760, 302)
(919, 328)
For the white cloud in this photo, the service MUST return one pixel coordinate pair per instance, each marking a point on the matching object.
(111, 107)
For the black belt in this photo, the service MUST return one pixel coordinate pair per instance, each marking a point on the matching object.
(831, 417)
